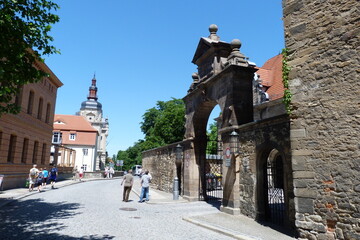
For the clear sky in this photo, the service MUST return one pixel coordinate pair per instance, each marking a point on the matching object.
(141, 51)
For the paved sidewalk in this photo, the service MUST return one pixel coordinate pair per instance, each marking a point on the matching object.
(238, 227)
(155, 196)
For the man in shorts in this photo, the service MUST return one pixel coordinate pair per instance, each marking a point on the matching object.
(39, 179)
(53, 176)
(32, 177)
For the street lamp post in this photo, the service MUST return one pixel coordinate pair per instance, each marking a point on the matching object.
(178, 160)
(234, 142)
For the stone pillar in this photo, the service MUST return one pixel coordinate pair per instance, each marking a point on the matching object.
(191, 176)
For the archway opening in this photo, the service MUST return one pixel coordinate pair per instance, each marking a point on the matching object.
(212, 188)
(274, 188)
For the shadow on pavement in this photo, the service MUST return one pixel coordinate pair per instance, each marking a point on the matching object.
(36, 219)
(215, 204)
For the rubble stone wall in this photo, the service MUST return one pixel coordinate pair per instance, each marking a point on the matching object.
(323, 40)
(161, 164)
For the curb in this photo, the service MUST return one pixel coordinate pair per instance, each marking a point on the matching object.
(223, 231)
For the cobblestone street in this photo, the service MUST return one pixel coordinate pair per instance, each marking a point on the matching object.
(94, 210)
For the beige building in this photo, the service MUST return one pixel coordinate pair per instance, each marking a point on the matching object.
(25, 138)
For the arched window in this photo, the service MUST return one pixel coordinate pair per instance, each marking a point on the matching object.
(35, 152)
(25, 150)
(43, 153)
(30, 102)
(48, 108)
(12, 147)
(40, 108)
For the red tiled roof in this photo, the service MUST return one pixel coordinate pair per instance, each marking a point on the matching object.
(72, 123)
(271, 76)
(66, 124)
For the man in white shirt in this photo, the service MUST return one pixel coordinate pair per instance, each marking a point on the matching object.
(145, 183)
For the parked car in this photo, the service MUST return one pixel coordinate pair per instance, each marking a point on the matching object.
(136, 170)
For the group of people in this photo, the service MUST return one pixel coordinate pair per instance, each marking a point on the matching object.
(109, 172)
(78, 173)
(41, 177)
(128, 181)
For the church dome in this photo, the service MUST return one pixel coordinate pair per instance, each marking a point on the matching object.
(91, 104)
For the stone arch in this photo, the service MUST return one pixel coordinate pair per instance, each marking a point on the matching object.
(224, 78)
(276, 154)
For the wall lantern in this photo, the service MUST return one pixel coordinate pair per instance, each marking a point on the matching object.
(178, 154)
(234, 142)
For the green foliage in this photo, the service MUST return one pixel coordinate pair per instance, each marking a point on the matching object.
(24, 38)
(285, 76)
(132, 155)
(165, 123)
(162, 125)
(212, 136)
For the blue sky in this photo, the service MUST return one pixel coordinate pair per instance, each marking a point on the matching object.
(141, 51)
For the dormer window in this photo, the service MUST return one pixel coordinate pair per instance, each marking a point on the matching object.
(56, 138)
(72, 136)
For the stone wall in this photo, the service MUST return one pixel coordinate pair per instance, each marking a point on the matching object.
(323, 39)
(161, 164)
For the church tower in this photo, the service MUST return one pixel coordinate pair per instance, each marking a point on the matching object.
(92, 111)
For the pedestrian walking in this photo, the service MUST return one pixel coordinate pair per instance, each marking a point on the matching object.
(45, 177)
(111, 172)
(128, 180)
(145, 183)
(32, 177)
(53, 176)
(39, 179)
(81, 174)
(106, 172)
(75, 173)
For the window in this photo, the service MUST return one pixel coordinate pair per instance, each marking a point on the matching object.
(0, 139)
(43, 153)
(56, 137)
(18, 97)
(72, 136)
(85, 151)
(12, 147)
(25, 150)
(35, 152)
(84, 166)
(40, 108)
(48, 108)
(30, 102)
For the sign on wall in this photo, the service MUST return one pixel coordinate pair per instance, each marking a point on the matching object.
(227, 157)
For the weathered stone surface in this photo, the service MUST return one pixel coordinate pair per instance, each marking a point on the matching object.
(305, 193)
(304, 174)
(325, 33)
(311, 226)
(304, 205)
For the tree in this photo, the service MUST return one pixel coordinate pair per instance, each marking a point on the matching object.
(131, 156)
(212, 136)
(162, 124)
(24, 38)
(165, 123)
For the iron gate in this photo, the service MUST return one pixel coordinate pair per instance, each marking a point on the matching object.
(211, 188)
(275, 209)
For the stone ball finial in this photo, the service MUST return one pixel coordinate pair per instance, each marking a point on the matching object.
(213, 28)
(195, 76)
(235, 44)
